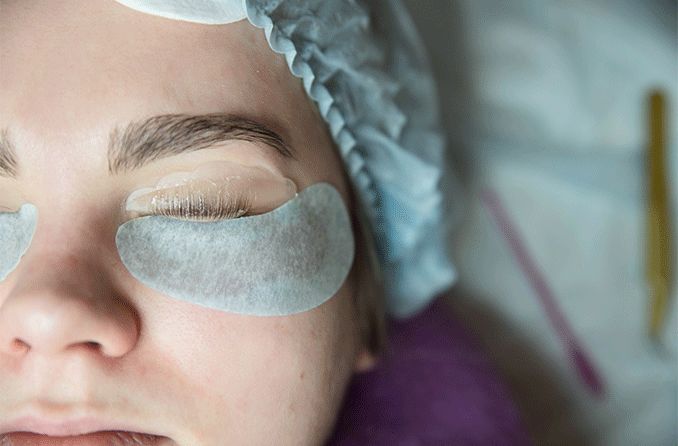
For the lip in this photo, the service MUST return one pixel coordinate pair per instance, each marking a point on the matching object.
(106, 438)
(34, 430)
(61, 427)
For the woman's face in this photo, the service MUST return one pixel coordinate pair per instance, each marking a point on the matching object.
(84, 346)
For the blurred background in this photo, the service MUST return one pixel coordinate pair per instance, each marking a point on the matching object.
(545, 106)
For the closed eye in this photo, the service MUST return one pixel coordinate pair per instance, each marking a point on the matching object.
(200, 206)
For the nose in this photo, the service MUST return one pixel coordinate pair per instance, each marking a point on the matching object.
(71, 308)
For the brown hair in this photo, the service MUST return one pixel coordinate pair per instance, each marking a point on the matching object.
(369, 297)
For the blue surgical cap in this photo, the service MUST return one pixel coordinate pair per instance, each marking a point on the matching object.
(366, 69)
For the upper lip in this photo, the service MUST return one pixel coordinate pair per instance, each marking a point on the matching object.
(61, 427)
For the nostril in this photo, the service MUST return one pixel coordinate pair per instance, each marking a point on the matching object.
(92, 345)
(19, 346)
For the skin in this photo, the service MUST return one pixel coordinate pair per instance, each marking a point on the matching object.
(195, 375)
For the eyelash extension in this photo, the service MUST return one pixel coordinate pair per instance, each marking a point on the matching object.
(196, 206)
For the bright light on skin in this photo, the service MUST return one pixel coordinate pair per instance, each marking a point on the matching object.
(106, 348)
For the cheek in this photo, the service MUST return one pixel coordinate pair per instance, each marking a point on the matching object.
(288, 373)
(4, 291)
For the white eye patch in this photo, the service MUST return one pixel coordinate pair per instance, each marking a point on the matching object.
(201, 11)
(286, 261)
(16, 233)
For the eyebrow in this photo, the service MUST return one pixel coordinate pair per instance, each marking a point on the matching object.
(141, 142)
(8, 162)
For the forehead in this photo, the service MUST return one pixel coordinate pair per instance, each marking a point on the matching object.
(96, 63)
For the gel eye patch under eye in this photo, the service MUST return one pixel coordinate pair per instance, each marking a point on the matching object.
(16, 233)
(286, 261)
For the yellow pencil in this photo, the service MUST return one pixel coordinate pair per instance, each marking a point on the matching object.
(659, 243)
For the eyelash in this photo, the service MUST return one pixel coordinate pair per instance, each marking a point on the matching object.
(196, 207)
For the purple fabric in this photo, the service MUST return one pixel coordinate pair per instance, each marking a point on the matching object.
(435, 386)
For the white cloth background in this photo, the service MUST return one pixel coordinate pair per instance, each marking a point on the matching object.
(544, 102)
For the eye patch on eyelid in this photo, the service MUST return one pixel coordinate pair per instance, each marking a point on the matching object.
(286, 261)
(16, 233)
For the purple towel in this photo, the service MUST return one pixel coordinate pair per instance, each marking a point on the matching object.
(434, 386)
